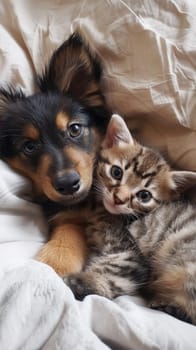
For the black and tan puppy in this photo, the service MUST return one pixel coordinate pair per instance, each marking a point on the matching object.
(52, 138)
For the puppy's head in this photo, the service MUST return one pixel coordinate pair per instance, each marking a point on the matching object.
(52, 137)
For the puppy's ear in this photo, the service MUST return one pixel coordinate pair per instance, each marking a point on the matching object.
(9, 95)
(73, 70)
(9, 98)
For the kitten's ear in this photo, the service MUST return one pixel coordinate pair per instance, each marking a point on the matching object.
(183, 180)
(117, 133)
(73, 70)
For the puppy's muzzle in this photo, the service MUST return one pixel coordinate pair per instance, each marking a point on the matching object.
(68, 183)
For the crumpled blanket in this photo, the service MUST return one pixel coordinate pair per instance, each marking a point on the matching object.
(148, 53)
(38, 311)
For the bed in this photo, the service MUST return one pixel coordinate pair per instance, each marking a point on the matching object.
(148, 54)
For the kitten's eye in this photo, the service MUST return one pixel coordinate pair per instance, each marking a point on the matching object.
(144, 196)
(29, 148)
(75, 130)
(116, 172)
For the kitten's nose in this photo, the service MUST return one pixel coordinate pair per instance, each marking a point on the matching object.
(68, 183)
(118, 200)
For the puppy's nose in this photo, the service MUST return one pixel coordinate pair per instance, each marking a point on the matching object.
(68, 183)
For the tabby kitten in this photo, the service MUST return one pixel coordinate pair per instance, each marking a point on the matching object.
(153, 256)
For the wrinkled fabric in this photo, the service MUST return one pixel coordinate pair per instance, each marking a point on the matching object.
(148, 53)
(23, 229)
(38, 311)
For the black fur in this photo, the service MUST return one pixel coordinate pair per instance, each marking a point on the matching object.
(70, 84)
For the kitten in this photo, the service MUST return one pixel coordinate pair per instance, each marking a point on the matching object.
(153, 256)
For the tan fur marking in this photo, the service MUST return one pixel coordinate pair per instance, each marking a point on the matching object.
(80, 217)
(83, 164)
(170, 286)
(31, 132)
(41, 181)
(66, 252)
(18, 165)
(40, 177)
(62, 120)
(172, 280)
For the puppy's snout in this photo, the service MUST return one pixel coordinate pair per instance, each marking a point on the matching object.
(68, 183)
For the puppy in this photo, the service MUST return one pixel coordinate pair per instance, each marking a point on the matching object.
(52, 138)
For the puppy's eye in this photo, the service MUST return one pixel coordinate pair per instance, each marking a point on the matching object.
(29, 148)
(75, 130)
(144, 196)
(116, 172)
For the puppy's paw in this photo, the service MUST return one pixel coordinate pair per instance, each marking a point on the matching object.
(60, 259)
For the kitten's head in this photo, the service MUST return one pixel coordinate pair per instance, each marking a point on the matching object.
(133, 179)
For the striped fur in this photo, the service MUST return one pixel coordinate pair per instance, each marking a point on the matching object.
(153, 256)
(167, 238)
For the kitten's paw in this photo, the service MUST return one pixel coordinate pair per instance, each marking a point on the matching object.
(79, 286)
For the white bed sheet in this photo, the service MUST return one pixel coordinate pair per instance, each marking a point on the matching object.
(149, 53)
